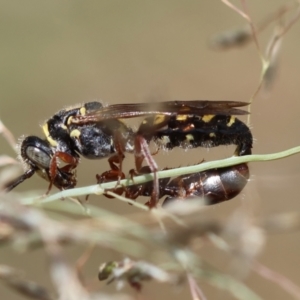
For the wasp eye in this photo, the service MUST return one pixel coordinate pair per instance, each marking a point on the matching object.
(37, 156)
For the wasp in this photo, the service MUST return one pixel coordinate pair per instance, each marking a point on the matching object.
(95, 131)
(214, 185)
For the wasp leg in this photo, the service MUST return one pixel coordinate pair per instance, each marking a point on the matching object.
(109, 176)
(118, 158)
(49, 188)
(70, 160)
(142, 152)
(114, 161)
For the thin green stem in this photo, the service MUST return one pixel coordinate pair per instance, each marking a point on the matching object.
(100, 189)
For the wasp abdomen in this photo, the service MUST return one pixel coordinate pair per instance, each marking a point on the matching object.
(215, 185)
(206, 131)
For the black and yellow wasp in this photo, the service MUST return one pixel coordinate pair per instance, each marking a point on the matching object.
(95, 131)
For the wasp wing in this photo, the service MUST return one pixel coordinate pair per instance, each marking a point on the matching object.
(169, 108)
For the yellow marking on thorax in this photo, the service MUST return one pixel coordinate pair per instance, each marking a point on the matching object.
(82, 111)
(189, 137)
(51, 141)
(231, 121)
(75, 133)
(69, 121)
(207, 118)
(159, 119)
(212, 134)
(181, 117)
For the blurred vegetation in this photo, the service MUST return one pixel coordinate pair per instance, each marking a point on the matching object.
(58, 54)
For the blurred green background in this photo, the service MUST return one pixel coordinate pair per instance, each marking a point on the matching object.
(59, 53)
